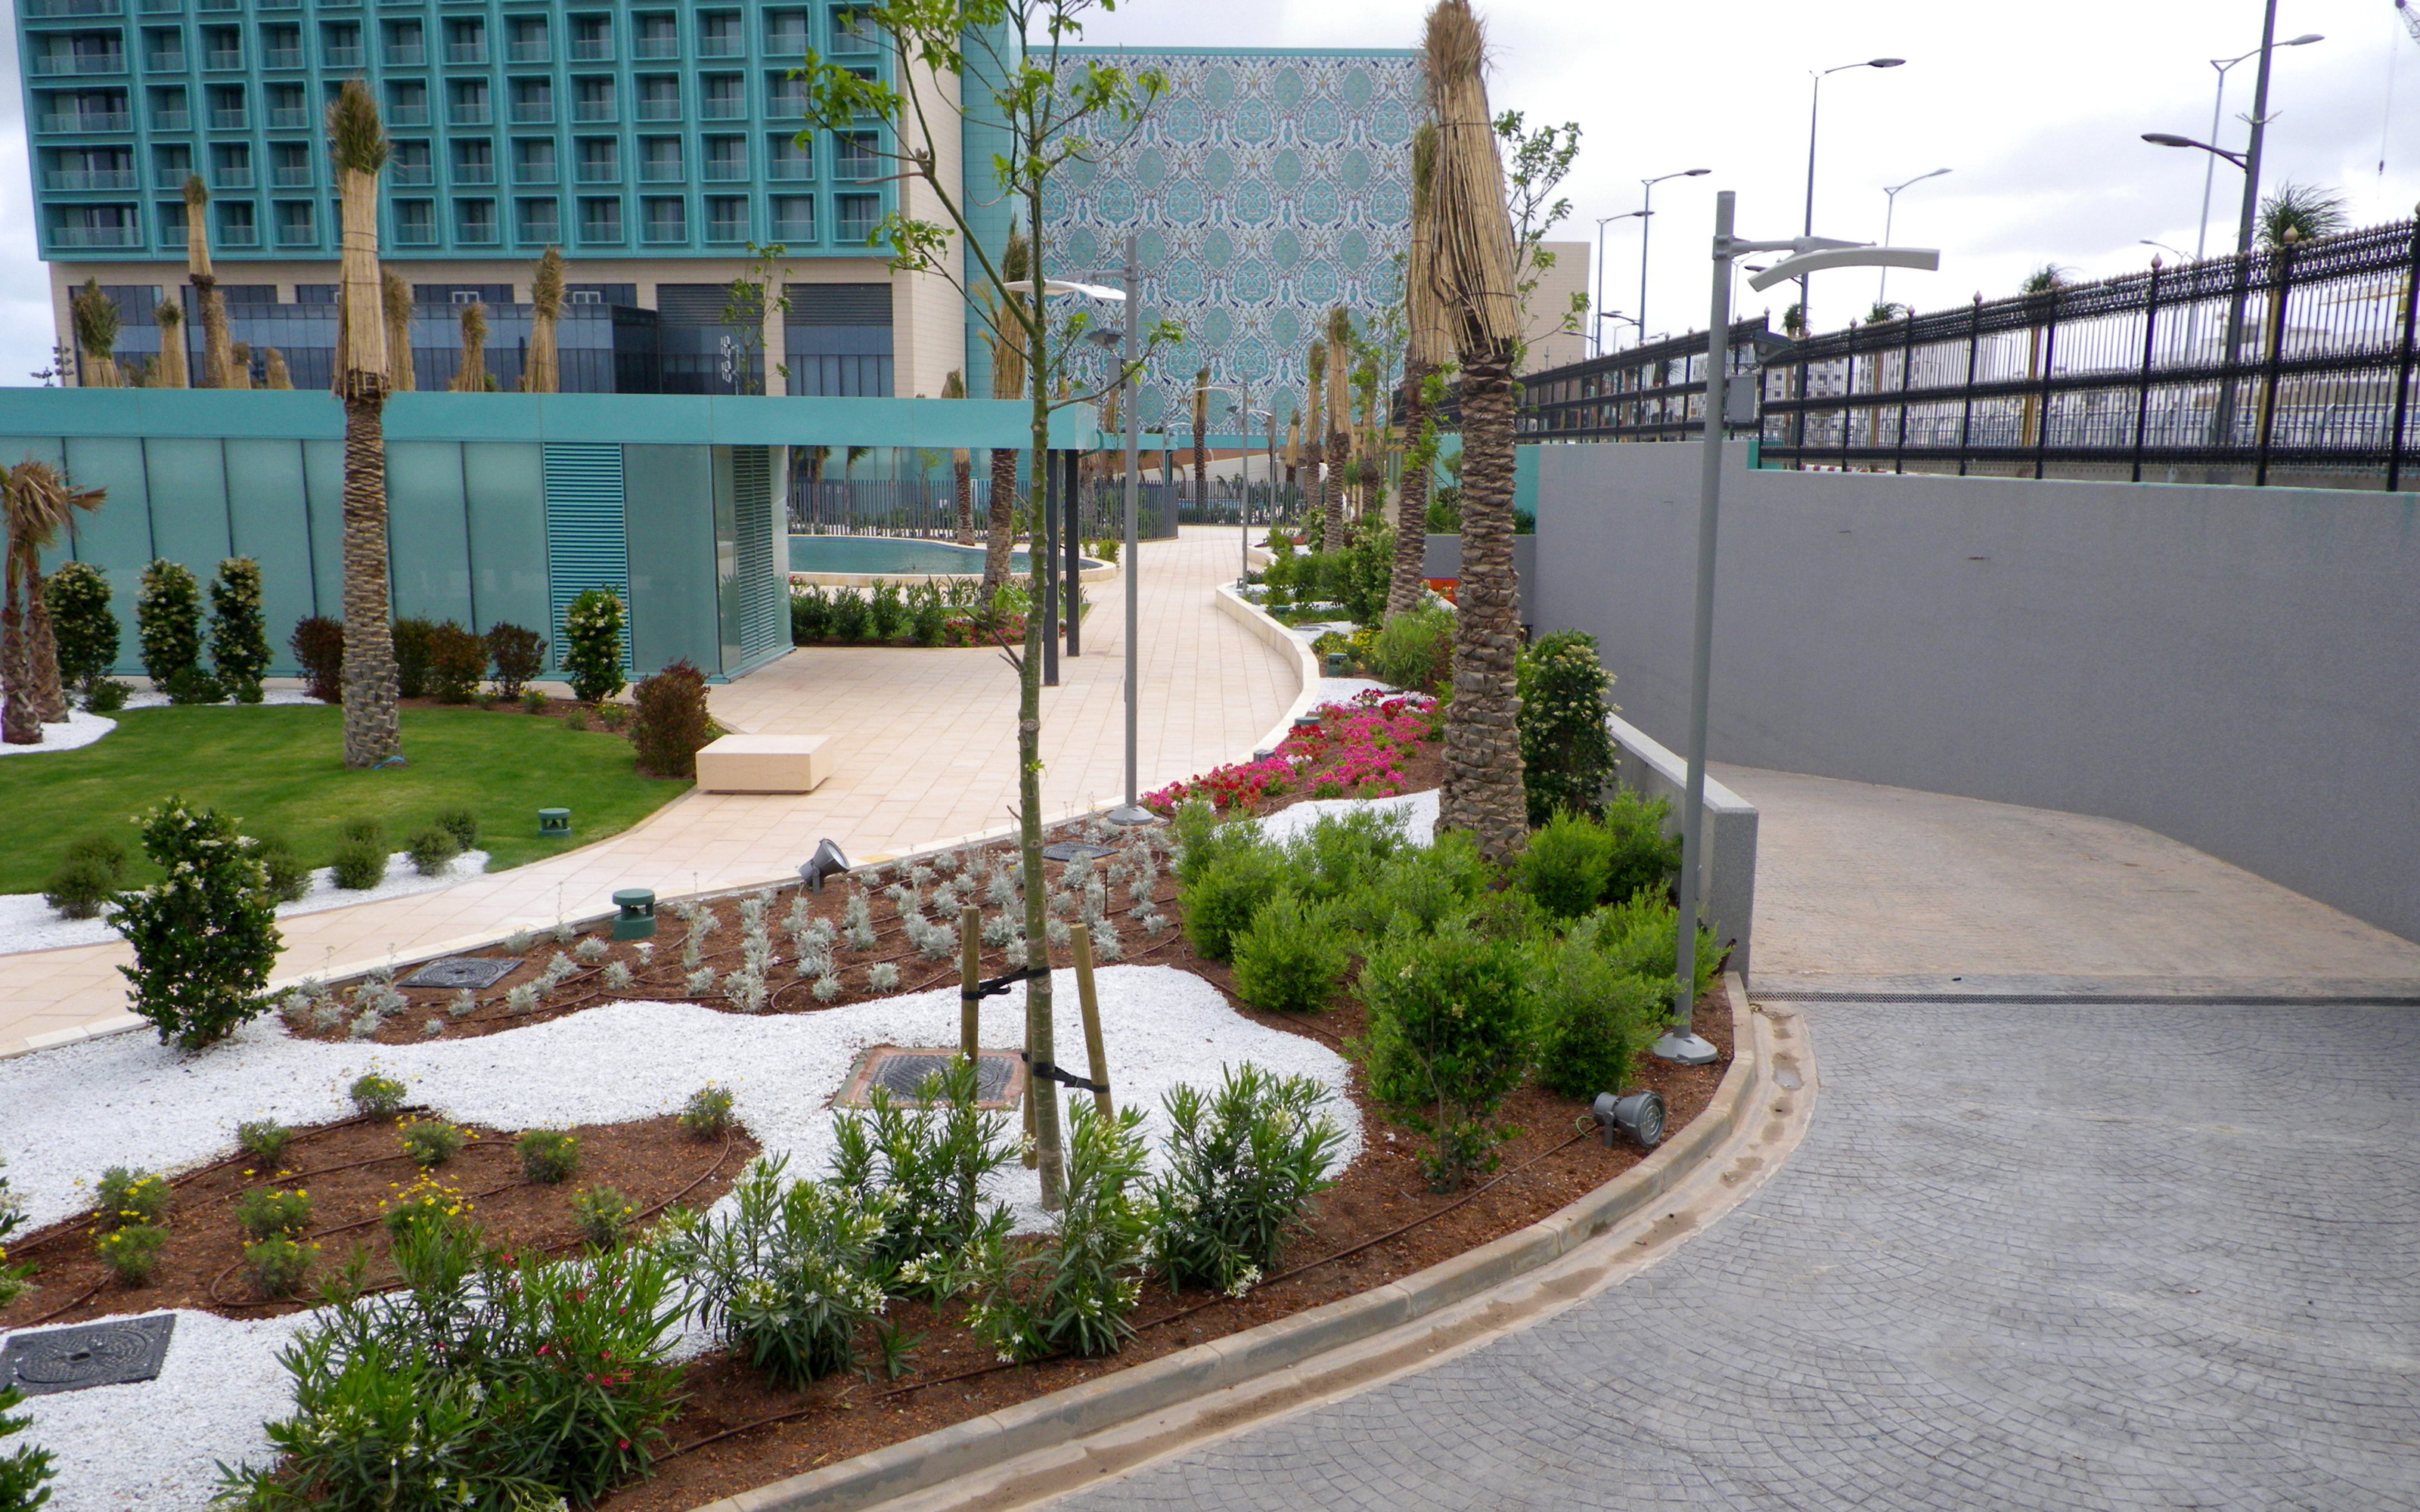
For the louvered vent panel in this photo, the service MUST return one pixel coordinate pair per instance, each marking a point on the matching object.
(764, 615)
(585, 545)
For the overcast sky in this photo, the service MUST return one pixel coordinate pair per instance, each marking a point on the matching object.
(2037, 109)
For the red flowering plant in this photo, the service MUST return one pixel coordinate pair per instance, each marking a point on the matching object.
(1357, 751)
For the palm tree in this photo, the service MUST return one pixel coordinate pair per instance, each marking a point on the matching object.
(962, 480)
(276, 375)
(472, 376)
(1201, 439)
(37, 505)
(542, 369)
(94, 314)
(357, 144)
(1428, 348)
(2045, 282)
(239, 365)
(218, 355)
(1473, 273)
(1314, 443)
(1340, 416)
(2300, 213)
(1004, 334)
(395, 306)
(169, 373)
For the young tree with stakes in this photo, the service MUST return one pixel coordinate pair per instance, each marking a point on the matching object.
(1011, 68)
(39, 506)
(1473, 276)
(357, 144)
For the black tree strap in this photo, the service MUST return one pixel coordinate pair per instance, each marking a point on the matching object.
(1049, 1073)
(994, 986)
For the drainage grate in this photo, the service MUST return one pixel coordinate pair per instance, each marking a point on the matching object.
(88, 1354)
(1075, 850)
(999, 1075)
(475, 971)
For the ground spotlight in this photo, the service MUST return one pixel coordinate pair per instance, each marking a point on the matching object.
(1641, 1116)
(827, 861)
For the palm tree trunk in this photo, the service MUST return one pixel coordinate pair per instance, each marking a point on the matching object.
(373, 730)
(1407, 585)
(42, 653)
(1483, 791)
(1314, 491)
(962, 480)
(1002, 538)
(20, 719)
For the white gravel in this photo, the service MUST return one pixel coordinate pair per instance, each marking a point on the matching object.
(28, 923)
(80, 730)
(67, 1113)
(1420, 812)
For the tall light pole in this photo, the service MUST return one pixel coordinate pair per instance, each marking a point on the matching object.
(1647, 223)
(1243, 507)
(2217, 107)
(1596, 323)
(1814, 109)
(1890, 212)
(1809, 253)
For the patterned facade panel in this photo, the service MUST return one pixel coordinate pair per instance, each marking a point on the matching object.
(1264, 188)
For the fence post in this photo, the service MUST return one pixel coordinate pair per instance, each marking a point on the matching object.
(2403, 374)
(2143, 390)
(2050, 360)
(2269, 365)
(1848, 397)
(1966, 421)
(1906, 376)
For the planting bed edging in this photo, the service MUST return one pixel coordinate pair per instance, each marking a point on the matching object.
(1243, 611)
(1728, 882)
(1050, 1422)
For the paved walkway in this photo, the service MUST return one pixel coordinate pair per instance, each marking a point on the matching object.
(2032, 1254)
(927, 753)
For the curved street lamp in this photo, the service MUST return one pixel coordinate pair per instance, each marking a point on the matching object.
(1814, 106)
(1647, 223)
(1890, 211)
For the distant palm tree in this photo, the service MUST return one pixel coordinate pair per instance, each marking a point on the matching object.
(1340, 416)
(395, 305)
(472, 376)
(37, 505)
(542, 369)
(94, 314)
(169, 372)
(1004, 336)
(2047, 279)
(274, 373)
(1429, 346)
(1201, 437)
(1884, 312)
(218, 355)
(2299, 214)
(357, 144)
(1314, 451)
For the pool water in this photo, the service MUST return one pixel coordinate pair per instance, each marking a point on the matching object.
(904, 555)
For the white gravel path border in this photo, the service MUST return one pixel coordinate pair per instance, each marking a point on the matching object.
(68, 1113)
(81, 729)
(1420, 812)
(28, 923)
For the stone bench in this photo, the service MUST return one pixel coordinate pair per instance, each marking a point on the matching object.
(764, 763)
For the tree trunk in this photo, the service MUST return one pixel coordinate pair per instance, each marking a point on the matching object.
(962, 478)
(1340, 448)
(1407, 586)
(42, 653)
(1482, 790)
(372, 730)
(1002, 538)
(1200, 473)
(218, 349)
(1315, 495)
(21, 721)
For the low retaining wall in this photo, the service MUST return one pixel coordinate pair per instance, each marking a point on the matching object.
(1727, 870)
(1250, 616)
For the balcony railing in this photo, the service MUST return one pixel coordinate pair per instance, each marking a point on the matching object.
(231, 177)
(166, 175)
(601, 233)
(476, 233)
(239, 236)
(662, 233)
(411, 175)
(46, 9)
(172, 120)
(408, 234)
(90, 120)
(600, 173)
(593, 50)
(90, 178)
(466, 51)
(539, 233)
(595, 110)
(654, 47)
(534, 111)
(535, 173)
(229, 118)
(407, 55)
(471, 113)
(163, 62)
(399, 115)
(96, 236)
(343, 58)
(291, 176)
(474, 175)
(786, 44)
(305, 235)
(795, 229)
(725, 170)
(282, 57)
(540, 51)
(661, 173)
(223, 59)
(728, 108)
(289, 117)
(726, 231)
(791, 170)
(79, 64)
(723, 47)
(659, 110)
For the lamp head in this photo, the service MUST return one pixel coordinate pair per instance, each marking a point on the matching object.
(2304, 40)
(1885, 62)
(2167, 139)
(1697, 173)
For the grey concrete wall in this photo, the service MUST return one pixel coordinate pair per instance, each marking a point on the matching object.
(1726, 866)
(2236, 668)
(1443, 559)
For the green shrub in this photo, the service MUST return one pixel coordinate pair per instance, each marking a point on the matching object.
(107, 696)
(278, 1265)
(23, 1469)
(77, 597)
(602, 1214)
(929, 612)
(132, 1252)
(239, 633)
(1594, 1021)
(205, 936)
(376, 1096)
(1642, 855)
(1566, 864)
(462, 823)
(884, 612)
(929, 1165)
(286, 877)
(533, 701)
(458, 662)
(1291, 957)
(431, 1142)
(1449, 1033)
(592, 642)
(1641, 937)
(433, 850)
(1201, 838)
(575, 721)
(1419, 889)
(192, 685)
(261, 1213)
(707, 1113)
(671, 724)
(1566, 749)
(1363, 570)
(614, 715)
(1221, 905)
(810, 615)
(128, 1195)
(1072, 1291)
(847, 619)
(1415, 651)
(1242, 1164)
(789, 1277)
(549, 1156)
(359, 865)
(168, 621)
(89, 875)
(414, 653)
(1341, 852)
(264, 1140)
(517, 653)
(318, 645)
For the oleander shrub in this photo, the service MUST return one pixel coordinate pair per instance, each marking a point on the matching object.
(1567, 753)
(1243, 1164)
(78, 597)
(1292, 955)
(1072, 1290)
(415, 653)
(592, 645)
(168, 621)
(549, 1156)
(930, 1164)
(433, 850)
(1448, 1037)
(671, 724)
(1415, 651)
(790, 1277)
(847, 619)
(238, 631)
(810, 615)
(23, 1469)
(517, 656)
(205, 935)
(884, 611)
(319, 643)
(457, 663)
(263, 1212)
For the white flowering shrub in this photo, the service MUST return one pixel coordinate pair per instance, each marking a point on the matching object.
(205, 936)
(937, 1163)
(1073, 1291)
(1242, 1163)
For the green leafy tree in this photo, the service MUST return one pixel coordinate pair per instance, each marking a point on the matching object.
(1052, 107)
(592, 645)
(168, 620)
(1447, 1040)
(239, 633)
(78, 595)
(1566, 747)
(205, 936)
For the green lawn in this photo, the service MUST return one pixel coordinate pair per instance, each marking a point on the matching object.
(279, 770)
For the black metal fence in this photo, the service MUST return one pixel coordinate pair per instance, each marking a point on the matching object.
(928, 508)
(1655, 392)
(2293, 365)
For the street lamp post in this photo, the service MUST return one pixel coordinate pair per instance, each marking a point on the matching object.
(1808, 255)
(1646, 225)
(1596, 325)
(1814, 107)
(1890, 213)
(2217, 107)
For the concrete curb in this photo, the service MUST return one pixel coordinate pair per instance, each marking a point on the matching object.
(1051, 1422)
(1251, 617)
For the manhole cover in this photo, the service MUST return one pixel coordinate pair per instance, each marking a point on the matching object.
(475, 971)
(88, 1354)
(999, 1075)
(1075, 850)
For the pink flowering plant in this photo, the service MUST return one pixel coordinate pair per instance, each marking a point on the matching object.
(1355, 752)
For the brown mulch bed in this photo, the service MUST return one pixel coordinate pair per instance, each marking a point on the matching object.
(350, 1168)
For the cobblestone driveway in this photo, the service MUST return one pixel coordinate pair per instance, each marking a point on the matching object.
(2029, 1256)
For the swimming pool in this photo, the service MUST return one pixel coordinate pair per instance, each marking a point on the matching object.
(887, 554)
